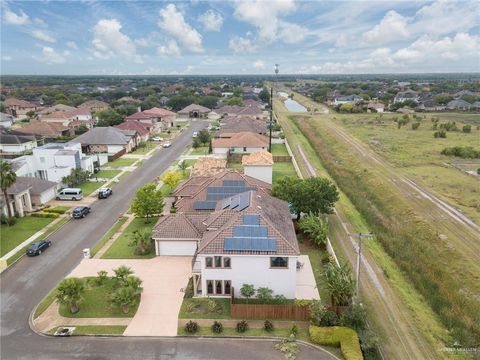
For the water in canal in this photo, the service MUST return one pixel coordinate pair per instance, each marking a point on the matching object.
(294, 106)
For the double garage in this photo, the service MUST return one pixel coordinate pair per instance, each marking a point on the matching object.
(165, 247)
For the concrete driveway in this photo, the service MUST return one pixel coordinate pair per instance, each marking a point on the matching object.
(163, 278)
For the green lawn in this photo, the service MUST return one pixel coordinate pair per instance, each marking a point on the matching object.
(144, 148)
(200, 151)
(232, 165)
(12, 236)
(108, 235)
(120, 249)
(120, 162)
(94, 330)
(96, 303)
(281, 169)
(89, 187)
(58, 209)
(197, 308)
(279, 150)
(106, 174)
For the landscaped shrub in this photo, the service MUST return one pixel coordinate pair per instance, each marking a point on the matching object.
(189, 289)
(467, 128)
(264, 294)
(345, 338)
(242, 326)
(217, 327)
(294, 329)
(355, 317)
(102, 276)
(191, 327)
(45, 215)
(55, 211)
(3, 219)
(211, 305)
(268, 325)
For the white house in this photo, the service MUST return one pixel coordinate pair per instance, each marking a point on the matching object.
(406, 95)
(240, 143)
(17, 144)
(350, 99)
(6, 120)
(259, 165)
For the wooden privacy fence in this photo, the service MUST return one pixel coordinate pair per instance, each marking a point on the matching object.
(237, 158)
(268, 311)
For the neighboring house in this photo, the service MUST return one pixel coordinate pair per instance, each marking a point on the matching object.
(108, 140)
(476, 105)
(229, 110)
(94, 105)
(155, 119)
(45, 130)
(406, 95)
(194, 111)
(349, 99)
(248, 238)
(57, 108)
(461, 93)
(208, 166)
(137, 126)
(16, 144)
(430, 105)
(81, 114)
(17, 107)
(458, 104)
(6, 120)
(259, 165)
(241, 143)
(376, 106)
(129, 100)
(235, 124)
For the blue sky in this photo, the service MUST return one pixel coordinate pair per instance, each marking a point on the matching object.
(238, 37)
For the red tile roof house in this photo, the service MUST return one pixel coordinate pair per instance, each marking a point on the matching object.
(156, 119)
(137, 126)
(19, 108)
(45, 130)
(239, 143)
(194, 111)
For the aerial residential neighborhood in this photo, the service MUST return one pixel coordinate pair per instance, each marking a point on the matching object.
(239, 180)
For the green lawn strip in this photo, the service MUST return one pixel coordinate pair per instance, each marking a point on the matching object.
(200, 151)
(44, 304)
(57, 209)
(108, 235)
(120, 162)
(120, 249)
(201, 311)
(148, 146)
(232, 165)
(94, 329)
(279, 150)
(106, 174)
(229, 331)
(89, 187)
(97, 304)
(14, 235)
(281, 169)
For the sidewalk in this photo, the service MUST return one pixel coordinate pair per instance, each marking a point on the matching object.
(115, 236)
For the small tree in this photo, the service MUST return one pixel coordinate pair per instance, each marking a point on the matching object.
(122, 273)
(340, 284)
(102, 276)
(247, 291)
(204, 137)
(264, 294)
(142, 240)
(135, 283)
(148, 201)
(7, 179)
(316, 228)
(69, 293)
(182, 165)
(124, 297)
(172, 179)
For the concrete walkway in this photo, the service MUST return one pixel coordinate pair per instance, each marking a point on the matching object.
(306, 286)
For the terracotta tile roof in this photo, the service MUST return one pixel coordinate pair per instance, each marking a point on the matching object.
(134, 125)
(43, 128)
(236, 124)
(194, 107)
(159, 112)
(93, 104)
(241, 139)
(56, 108)
(178, 227)
(11, 101)
(208, 166)
(258, 158)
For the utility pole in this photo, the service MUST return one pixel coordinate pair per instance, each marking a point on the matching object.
(271, 120)
(360, 236)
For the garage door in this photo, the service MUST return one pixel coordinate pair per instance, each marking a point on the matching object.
(177, 248)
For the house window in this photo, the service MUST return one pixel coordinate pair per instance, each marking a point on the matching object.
(279, 262)
(226, 262)
(218, 287)
(244, 149)
(208, 262)
(210, 287)
(218, 261)
(227, 285)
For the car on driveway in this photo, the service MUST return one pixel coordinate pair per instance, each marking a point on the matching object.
(80, 212)
(167, 144)
(38, 247)
(157, 138)
(104, 192)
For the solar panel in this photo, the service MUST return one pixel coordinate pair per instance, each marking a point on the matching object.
(244, 201)
(235, 202)
(245, 244)
(226, 203)
(204, 205)
(251, 219)
(234, 183)
(251, 231)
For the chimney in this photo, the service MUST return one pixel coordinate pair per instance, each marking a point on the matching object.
(139, 109)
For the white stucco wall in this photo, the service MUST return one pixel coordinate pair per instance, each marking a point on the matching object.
(18, 148)
(113, 149)
(263, 173)
(175, 248)
(251, 269)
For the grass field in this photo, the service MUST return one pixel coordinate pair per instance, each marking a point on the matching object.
(120, 249)
(232, 165)
(12, 236)
(106, 174)
(96, 303)
(279, 150)
(121, 162)
(108, 235)
(145, 147)
(200, 151)
(89, 187)
(281, 169)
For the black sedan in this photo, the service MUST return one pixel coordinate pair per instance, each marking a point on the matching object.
(80, 212)
(38, 247)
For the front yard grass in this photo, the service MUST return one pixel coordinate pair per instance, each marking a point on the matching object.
(281, 169)
(145, 147)
(203, 150)
(97, 304)
(12, 236)
(94, 330)
(89, 187)
(279, 150)
(108, 235)
(120, 249)
(120, 162)
(198, 308)
(232, 165)
(106, 174)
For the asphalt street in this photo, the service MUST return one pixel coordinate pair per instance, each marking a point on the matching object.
(25, 284)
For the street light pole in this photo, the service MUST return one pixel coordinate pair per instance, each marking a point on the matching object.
(360, 236)
(271, 120)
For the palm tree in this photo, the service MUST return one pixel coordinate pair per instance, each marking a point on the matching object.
(135, 283)
(316, 228)
(69, 293)
(182, 165)
(124, 297)
(142, 239)
(7, 179)
(340, 284)
(122, 273)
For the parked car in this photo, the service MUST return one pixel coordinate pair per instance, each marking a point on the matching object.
(38, 247)
(167, 144)
(195, 134)
(104, 192)
(70, 194)
(157, 138)
(80, 212)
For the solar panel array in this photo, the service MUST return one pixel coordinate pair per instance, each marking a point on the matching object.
(234, 183)
(215, 193)
(249, 219)
(250, 231)
(241, 201)
(204, 205)
(250, 236)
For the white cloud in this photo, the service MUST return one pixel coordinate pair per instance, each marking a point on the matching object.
(7, 58)
(186, 71)
(12, 18)
(72, 45)
(170, 49)
(242, 45)
(392, 27)
(50, 56)
(109, 41)
(211, 20)
(341, 41)
(259, 65)
(66, 53)
(40, 22)
(173, 22)
(39, 34)
(291, 33)
(142, 42)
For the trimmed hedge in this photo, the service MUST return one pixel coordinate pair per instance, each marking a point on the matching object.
(54, 211)
(45, 215)
(344, 338)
